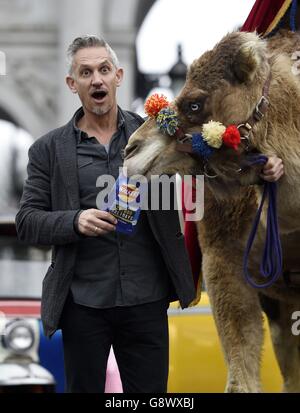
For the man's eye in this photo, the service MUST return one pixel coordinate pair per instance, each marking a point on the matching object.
(105, 69)
(85, 73)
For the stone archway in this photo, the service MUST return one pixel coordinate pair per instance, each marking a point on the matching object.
(122, 23)
(18, 109)
(141, 87)
(143, 8)
(33, 92)
(4, 115)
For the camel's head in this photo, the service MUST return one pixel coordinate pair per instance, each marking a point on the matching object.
(151, 152)
(223, 85)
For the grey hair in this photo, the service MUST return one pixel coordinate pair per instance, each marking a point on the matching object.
(85, 41)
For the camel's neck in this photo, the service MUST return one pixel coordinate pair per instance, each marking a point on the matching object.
(288, 204)
(279, 132)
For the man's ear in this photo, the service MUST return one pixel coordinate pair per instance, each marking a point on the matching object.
(119, 76)
(71, 83)
(248, 59)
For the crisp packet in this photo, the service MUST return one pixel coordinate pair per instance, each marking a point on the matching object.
(124, 203)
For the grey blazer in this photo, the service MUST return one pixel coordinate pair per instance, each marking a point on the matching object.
(49, 204)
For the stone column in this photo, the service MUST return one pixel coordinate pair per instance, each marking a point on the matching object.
(77, 17)
(125, 52)
(120, 32)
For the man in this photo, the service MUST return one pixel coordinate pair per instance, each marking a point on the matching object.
(103, 288)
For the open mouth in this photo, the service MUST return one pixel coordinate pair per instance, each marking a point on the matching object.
(99, 95)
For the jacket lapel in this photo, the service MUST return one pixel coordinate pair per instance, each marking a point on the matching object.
(66, 153)
(131, 123)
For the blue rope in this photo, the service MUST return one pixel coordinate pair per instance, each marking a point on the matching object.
(293, 13)
(271, 263)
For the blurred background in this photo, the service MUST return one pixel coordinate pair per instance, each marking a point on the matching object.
(155, 41)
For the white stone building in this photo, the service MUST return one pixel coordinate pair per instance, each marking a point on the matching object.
(34, 35)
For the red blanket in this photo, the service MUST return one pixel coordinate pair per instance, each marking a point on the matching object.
(191, 240)
(265, 15)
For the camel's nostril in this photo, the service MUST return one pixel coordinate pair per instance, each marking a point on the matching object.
(129, 151)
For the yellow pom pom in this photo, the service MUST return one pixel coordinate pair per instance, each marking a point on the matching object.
(212, 133)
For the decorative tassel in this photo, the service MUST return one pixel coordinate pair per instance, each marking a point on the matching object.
(212, 133)
(167, 121)
(200, 146)
(231, 137)
(154, 104)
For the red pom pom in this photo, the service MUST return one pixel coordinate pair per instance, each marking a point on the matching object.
(154, 104)
(231, 137)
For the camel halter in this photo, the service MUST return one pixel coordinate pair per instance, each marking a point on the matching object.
(271, 262)
(184, 141)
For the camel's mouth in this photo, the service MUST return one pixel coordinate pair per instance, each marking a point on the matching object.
(132, 168)
(140, 158)
(129, 154)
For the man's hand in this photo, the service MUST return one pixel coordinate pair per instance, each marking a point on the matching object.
(273, 169)
(93, 222)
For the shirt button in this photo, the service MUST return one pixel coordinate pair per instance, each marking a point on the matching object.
(122, 272)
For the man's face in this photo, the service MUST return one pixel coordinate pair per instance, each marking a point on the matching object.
(95, 79)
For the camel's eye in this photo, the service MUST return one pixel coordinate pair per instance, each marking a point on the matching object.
(195, 106)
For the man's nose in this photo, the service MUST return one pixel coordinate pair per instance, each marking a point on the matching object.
(97, 78)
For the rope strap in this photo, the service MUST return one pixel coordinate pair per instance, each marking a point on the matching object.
(271, 262)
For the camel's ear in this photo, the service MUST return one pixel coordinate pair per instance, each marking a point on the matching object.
(247, 61)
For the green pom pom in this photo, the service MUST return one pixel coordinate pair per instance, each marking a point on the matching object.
(167, 121)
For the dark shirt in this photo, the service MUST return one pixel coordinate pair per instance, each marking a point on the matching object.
(113, 269)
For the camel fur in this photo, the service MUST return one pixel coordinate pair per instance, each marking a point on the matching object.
(227, 83)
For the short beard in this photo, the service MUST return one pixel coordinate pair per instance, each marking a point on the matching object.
(98, 111)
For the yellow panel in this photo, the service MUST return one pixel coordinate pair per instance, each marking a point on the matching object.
(196, 359)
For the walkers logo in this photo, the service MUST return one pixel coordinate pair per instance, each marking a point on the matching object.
(123, 201)
(128, 193)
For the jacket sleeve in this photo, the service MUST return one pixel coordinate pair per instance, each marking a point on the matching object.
(35, 222)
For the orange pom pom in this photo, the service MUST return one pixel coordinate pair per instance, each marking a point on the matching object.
(154, 104)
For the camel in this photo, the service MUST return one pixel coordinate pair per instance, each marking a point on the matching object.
(226, 84)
